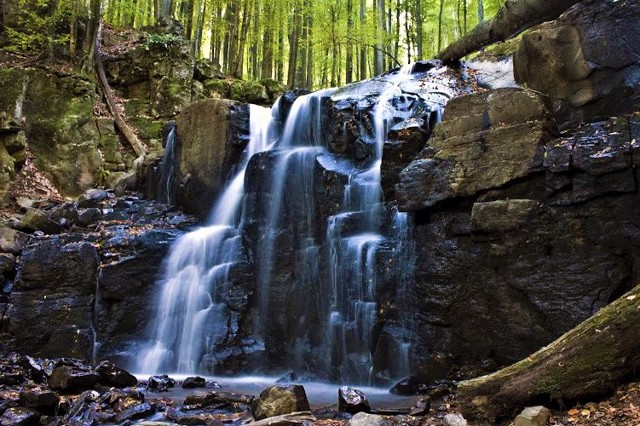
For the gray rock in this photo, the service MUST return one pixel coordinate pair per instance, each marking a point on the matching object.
(93, 198)
(280, 399)
(533, 416)
(454, 420)
(42, 400)
(73, 378)
(12, 241)
(112, 375)
(352, 401)
(36, 220)
(365, 419)
(89, 216)
(20, 416)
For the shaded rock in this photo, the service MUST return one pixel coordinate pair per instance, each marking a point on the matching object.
(421, 408)
(89, 216)
(160, 383)
(72, 377)
(12, 241)
(404, 142)
(533, 416)
(37, 220)
(454, 420)
(302, 418)
(52, 299)
(65, 214)
(194, 382)
(111, 375)
(92, 198)
(278, 400)
(365, 419)
(20, 416)
(484, 141)
(209, 143)
(407, 386)
(203, 399)
(214, 417)
(136, 412)
(576, 61)
(352, 401)
(42, 400)
(83, 411)
(7, 263)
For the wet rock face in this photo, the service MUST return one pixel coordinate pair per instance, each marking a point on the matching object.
(82, 287)
(485, 140)
(510, 260)
(57, 282)
(586, 61)
(211, 137)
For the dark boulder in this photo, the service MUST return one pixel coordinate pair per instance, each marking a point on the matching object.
(160, 383)
(280, 399)
(52, 299)
(42, 400)
(407, 386)
(352, 401)
(89, 216)
(111, 375)
(70, 376)
(20, 416)
(36, 220)
(93, 197)
(194, 382)
(136, 412)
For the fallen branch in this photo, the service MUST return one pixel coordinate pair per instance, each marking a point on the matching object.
(590, 360)
(512, 19)
(110, 98)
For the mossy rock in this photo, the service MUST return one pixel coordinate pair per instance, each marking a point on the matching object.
(62, 131)
(238, 90)
(171, 95)
(274, 88)
(11, 82)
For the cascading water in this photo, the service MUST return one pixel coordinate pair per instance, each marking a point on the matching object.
(189, 318)
(166, 169)
(316, 264)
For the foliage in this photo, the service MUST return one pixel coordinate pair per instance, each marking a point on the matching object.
(168, 42)
(305, 43)
(42, 24)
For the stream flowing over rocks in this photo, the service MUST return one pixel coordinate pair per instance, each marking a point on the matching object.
(413, 229)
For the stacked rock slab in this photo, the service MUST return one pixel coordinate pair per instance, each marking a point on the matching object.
(520, 234)
(587, 61)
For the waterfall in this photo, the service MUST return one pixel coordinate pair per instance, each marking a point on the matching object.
(164, 192)
(320, 263)
(189, 314)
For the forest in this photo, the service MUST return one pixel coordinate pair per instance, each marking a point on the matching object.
(302, 43)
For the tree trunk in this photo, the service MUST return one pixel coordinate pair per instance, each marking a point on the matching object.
(440, 25)
(419, 25)
(122, 125)
(480, 11)
(513, 18)
(589, 361)
(348, 68)
(363, 48)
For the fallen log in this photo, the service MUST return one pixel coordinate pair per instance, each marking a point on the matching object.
(119, 121)
(591, 360)
(512, 19)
